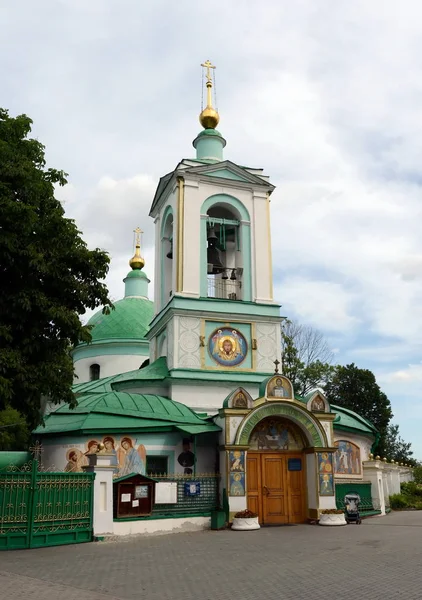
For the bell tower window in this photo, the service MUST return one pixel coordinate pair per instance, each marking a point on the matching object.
(224, 254)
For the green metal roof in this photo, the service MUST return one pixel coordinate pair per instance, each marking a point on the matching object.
(155, 371)
(130, 319)
(349, 420)
(111, 411)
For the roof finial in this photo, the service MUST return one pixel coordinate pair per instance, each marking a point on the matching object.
(276, 363)
(209, 117)
(137, 262)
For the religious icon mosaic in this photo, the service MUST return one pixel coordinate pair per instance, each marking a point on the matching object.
(347, 459)
(279, 387)
(236, 472)
(240, 400)
(325, 473)
(318, 404)
(276, 434)
(228, 347)
(127, 456)
(237, 484)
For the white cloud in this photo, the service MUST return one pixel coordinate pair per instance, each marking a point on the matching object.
(326, 96)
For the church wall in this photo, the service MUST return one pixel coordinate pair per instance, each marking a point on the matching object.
(263, 291)
(110, 364)
(69, 453)
(206, 396)
(188, 339)
(192, 238)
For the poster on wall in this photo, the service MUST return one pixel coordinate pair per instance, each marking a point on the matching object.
(325, 474)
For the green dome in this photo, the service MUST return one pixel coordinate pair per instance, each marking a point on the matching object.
(130, 319)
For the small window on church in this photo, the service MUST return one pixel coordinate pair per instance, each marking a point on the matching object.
(157, 465)
(94, 372)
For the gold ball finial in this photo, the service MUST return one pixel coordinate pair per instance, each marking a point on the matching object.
(384, 459)
(378, 457)
(371, 456)
(137, 262)
(209, 118)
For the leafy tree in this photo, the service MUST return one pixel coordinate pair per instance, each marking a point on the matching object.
(47, 277)
(306, 357)
(396, 448)
(417, 474)
(357, 390)
(14, 432)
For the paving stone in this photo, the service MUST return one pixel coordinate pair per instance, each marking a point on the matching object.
(379, 559)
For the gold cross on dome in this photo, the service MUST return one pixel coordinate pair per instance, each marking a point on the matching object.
(137, 233)
(276, 362)
(208, 65)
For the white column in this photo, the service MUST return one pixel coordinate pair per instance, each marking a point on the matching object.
(373, 472)
(103, 492)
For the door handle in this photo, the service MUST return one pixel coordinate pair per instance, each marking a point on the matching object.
(266, 490)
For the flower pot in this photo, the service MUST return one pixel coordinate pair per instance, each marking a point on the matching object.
(245, 524)
(332, 520)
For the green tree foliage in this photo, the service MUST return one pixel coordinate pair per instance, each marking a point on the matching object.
(14, 432)
(396, 448)
(48, 277)
(306, 357)
(417, 474)
(358, 390)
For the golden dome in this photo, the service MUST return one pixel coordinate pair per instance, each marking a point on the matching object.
(137, 262)
(209, 118)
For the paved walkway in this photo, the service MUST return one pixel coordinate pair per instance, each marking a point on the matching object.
(380, 560)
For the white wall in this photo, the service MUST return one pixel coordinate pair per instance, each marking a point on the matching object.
(207, 398)
(110, 364)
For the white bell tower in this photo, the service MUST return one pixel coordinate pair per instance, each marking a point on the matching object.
(214, 302)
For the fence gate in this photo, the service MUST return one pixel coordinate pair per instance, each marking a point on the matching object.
(44, 509)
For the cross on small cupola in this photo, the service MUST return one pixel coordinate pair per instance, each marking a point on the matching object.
(276, 363)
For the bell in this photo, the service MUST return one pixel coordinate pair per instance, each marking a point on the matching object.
(233, 275)
(170, 252)
(224, 276)
(213, 254)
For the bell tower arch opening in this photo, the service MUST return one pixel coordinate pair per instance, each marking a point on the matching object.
(166, 253)
(226, 235)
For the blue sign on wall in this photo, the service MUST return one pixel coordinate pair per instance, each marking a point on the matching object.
(295, 464)
(193, 488)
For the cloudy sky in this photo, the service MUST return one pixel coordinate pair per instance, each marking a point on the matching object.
(326, 96)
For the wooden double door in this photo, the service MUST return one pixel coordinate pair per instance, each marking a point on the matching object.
(276, 487)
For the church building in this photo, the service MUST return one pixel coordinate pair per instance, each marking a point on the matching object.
(190, 385)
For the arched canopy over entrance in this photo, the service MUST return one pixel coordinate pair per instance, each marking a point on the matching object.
(313, 432)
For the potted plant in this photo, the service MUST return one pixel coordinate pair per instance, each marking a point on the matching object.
(245, 520)
(332, 517)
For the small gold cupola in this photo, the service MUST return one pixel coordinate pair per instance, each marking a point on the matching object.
(137, 262)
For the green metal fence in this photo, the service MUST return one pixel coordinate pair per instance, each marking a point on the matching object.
(206, 501)
(367, 507)
(44, 509)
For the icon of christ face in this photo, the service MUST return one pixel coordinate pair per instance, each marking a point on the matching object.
(227, 347)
